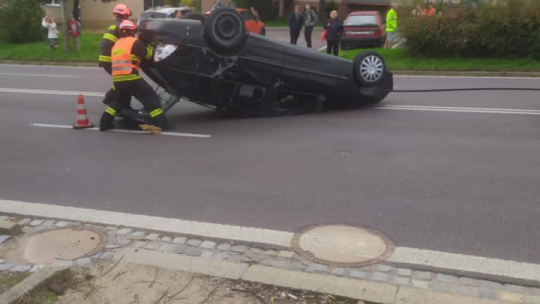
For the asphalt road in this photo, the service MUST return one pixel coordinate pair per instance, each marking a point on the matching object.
(463, 182)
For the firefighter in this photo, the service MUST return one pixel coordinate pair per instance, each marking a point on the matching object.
(121, 12)
(126, 56)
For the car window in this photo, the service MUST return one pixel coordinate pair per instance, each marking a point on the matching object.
(248, 15)
(361, 20)
(153, 15)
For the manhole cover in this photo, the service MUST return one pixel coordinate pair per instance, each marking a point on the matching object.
(45, 247)
(342, 245)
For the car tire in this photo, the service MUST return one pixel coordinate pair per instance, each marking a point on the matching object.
(263, 31)
(369, 68)
(225, 32)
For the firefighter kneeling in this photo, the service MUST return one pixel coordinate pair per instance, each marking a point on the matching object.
(126, 57)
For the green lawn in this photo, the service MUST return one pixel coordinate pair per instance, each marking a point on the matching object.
(37, 51)
(398, 59)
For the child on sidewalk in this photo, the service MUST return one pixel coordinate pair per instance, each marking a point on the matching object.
(53, 33)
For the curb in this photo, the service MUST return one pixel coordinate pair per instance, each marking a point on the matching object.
(28, 284)
(241, 260)
(345, 287)
(506, 272)
(395, 72)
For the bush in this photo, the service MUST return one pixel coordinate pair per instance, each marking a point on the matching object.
(507, 29)
(22, 20)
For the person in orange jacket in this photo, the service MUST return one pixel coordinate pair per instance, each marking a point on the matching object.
(121, 12)
(126, 56)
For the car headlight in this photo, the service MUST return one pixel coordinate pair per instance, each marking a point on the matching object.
(164, 50)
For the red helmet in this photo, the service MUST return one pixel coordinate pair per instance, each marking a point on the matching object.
(121, 9)
(127, 25)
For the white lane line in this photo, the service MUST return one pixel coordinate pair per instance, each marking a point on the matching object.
(488, 266)
(51, 92)
(321, 49)
(381, 107)
(48, 66)
(41, 75)
(124, 131)
(463, 77)
(458, 109)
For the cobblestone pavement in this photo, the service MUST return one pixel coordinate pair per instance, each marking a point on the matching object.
(119, 237)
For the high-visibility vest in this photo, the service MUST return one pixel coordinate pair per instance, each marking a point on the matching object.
(125, 65)
(391, 21)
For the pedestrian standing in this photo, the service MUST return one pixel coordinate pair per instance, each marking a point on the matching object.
(334, 28)
(391, 27)
(430, 10)
(296, 21)
(45, 29)
(75, 33)
(310, 18)
(255, 13)
(52, 34)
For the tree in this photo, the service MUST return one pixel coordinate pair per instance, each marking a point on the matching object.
(22, 20)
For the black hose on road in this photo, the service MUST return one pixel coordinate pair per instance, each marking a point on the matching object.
(465, 89)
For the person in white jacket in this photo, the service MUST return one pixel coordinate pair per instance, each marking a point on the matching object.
(53, 32)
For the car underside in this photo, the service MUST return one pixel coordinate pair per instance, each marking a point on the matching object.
(216, 63)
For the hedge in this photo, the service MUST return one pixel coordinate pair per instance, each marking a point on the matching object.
(505, 29)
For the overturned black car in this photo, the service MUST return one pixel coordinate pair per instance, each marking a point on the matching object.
(216, 63)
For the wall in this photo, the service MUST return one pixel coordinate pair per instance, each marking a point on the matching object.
(96, 14)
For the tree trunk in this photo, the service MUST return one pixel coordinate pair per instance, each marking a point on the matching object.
(64, 10)
(322, 4)
(75, 10)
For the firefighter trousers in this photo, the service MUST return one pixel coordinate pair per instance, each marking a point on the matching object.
(143, 92)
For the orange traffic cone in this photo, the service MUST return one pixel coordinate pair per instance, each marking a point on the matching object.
(82, 117)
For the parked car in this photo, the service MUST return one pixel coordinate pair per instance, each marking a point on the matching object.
(363, 29)
(218, 64)
(253, 24)
(163, 13)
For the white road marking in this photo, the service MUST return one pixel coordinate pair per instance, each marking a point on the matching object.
(51, 92)
(124, 131)
(48, 66)
(464, 77)
(321, 49)
(41, 75)
(488, 266)
(458, 109)
(381, 107)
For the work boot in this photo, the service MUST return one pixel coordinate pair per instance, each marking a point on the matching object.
(106, 122)
(161, 122)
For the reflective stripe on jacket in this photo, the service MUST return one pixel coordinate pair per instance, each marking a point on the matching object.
(391, 21)
(107, 43)
(125, 65)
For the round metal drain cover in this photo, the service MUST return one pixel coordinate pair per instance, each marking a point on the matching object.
(342, 245)
(45, 247)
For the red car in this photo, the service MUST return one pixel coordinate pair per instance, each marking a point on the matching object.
(363, 29)
(253, 24)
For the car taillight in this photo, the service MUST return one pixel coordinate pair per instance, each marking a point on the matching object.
(164, 50)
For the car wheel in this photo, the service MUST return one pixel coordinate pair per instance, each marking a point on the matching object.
(369, 68)
(225, 32)
(263, 31)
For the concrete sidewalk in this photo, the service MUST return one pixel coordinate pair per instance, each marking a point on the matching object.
(181, 256)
